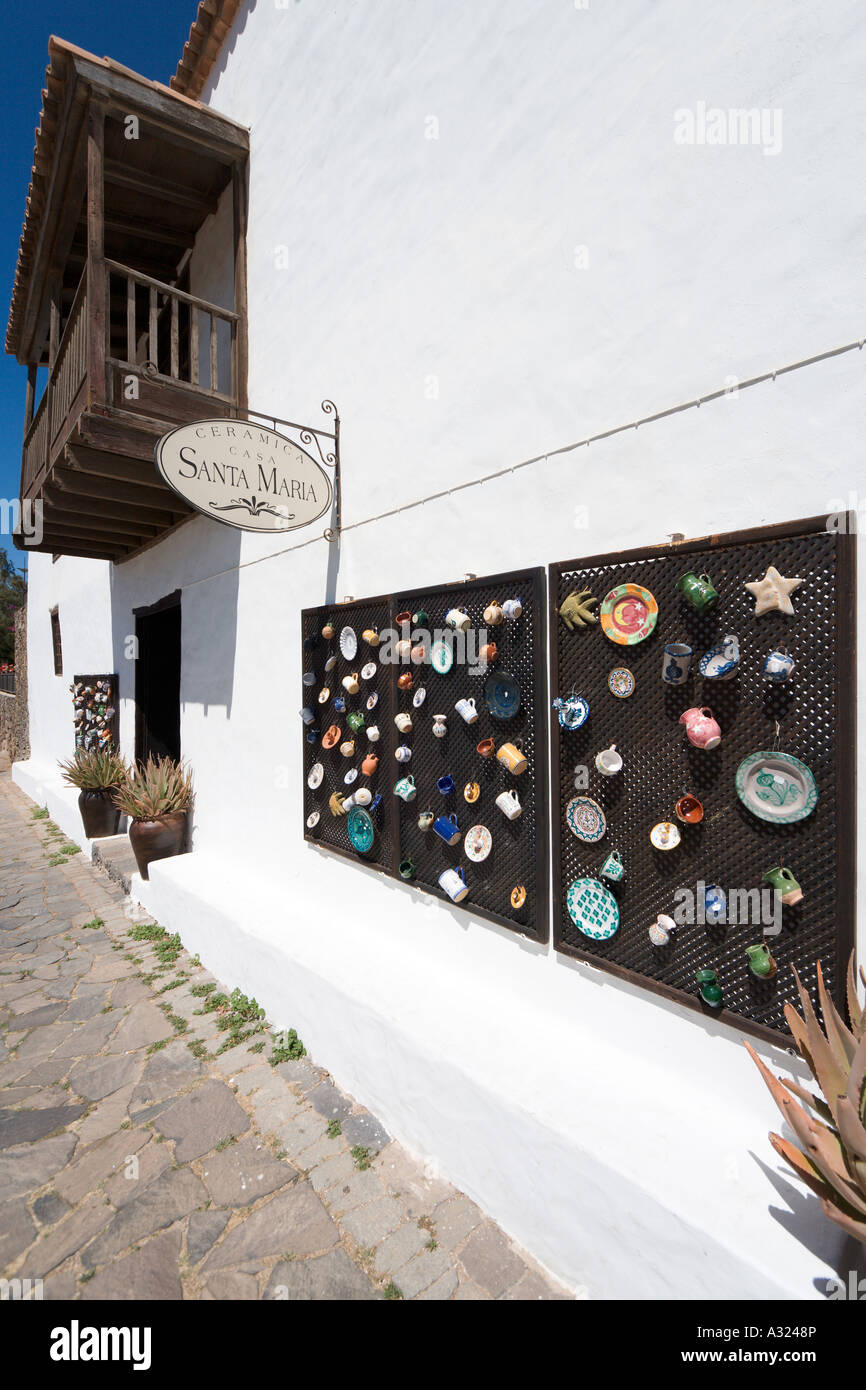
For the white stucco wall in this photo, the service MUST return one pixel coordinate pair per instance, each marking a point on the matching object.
(432, 290)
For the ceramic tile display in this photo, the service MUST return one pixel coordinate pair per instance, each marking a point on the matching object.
(460, 711)
(724, 765)
(94, 711)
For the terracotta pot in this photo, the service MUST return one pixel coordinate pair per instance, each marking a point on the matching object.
(99, 814)
(157, 839)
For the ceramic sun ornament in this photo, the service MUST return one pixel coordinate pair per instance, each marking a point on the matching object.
(773, 592)
(577, 610)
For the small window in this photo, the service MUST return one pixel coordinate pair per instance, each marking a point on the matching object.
(55, 642)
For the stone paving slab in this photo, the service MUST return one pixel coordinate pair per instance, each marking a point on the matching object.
(150, 1148)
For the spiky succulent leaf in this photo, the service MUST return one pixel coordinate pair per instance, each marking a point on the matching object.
(157, 788)
(94, 769)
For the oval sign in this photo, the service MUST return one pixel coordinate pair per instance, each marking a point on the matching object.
(244, 475)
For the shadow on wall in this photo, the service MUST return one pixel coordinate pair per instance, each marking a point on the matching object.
(209, 615)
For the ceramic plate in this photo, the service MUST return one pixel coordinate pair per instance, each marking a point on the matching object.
(628, 614)
(585, 819)
(351, 776)
(441, 658)
(348, 643)
(368, 671)
(419, 697)
(315, 775)
(324, 695)
(620, 682)
(330, 663)
(360, 828)
(572, 712)
(372, 700)
(592, 909)
(478, 842)
(502, 695)
(665, 835)
(776, 787)
(313, 819)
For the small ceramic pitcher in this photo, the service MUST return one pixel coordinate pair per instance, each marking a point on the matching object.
(702, 730)
(761, 963)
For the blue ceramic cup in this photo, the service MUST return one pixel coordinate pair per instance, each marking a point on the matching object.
(675, 663)
(446, 784)
(447, 829)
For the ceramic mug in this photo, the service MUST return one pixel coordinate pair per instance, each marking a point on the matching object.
(307, 715)
(613, 867)
(403, 651)
(309, 678)
(715, 904)
(355, 720)
(405, 788)
(339, 704)
(453, 882)
(675, 663)
(425, 820)
(785, 884)
(362, 797)
(486, 748)
(405, 681)
(458, 619)
(350, 683)
(689, 810)
(511, 756)
(312, 733)
(421, 618)
(488, 654)
(509, 803)
(369, 765)
(403, 722)
(440, 728)
(608, 761)
(407, 869)
(418, 654)
(373, 733)
(347, 748)
(778, 665)
(466, 709)
(702, 730)
(370, 636)
(761, 963)
(445, 784)
(403, 754)
(512, 609)
(404, 617)
(493, 614)
(447, 829)
(698, 590)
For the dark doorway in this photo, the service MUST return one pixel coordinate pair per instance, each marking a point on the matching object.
(157, 679)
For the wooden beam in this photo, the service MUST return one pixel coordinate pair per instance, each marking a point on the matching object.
(240, 334)
(96, 251)
(29, 397)
(162, 501)
(98, 464)
(162, 190)
(150, 231)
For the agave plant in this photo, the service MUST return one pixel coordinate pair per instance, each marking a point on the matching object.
(831, 1158)
(156, 788)
(94, 769)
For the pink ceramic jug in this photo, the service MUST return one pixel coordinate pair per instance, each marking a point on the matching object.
(702, 731)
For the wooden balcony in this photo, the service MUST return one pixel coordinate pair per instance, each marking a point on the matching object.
(102, 299)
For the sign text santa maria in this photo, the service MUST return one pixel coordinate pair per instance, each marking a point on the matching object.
(244, 474)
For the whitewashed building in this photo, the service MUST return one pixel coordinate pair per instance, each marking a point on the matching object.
(486, 231)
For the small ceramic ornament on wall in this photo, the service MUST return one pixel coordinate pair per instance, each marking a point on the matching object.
(773, 592)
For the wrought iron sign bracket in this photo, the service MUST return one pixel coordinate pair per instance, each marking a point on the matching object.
(327, 448)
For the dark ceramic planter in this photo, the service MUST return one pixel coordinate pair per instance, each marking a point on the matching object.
(99, 814)
(157, 839)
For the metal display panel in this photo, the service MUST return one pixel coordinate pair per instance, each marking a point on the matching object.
(519, 853)
(331, 831)
(815, 714)
(91, 697)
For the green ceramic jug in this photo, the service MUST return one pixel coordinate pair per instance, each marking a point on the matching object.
(698, 590)
(761, 963)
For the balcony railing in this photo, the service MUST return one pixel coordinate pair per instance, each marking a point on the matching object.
(180, 349)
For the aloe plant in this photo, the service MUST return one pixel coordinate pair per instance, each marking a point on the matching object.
(94, 769)
(156, 788)
(831, 1158)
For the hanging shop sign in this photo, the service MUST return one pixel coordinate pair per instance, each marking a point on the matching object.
(244, 475)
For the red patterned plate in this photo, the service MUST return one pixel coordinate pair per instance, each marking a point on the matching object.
(628, 614)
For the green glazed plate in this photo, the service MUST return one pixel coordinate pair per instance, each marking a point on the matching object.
(441, 658)
(776, 787)
(360, 828)
(592, 908)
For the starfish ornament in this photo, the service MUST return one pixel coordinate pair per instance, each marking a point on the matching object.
(773, 592)
(577, 609)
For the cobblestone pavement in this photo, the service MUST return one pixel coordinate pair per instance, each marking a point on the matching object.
(138, 1161)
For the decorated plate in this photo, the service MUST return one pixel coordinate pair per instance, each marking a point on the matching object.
(585, 819)
(360, 828)
(348, 643)
(665, 835)
(441, 657)
(776, 787)
(315, 775)
(331, 662)
(419, 697)
(592, 908)
(620, 682)
(324, 695)
(351, 776)
(368, 671)
(502, 695)
(313, 819)
(628, 614)
(372, 700)
(478, 842)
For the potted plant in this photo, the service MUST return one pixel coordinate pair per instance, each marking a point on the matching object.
(156, 798)
(98, 774)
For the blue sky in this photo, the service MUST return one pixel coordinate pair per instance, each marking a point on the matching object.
(148, 38)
